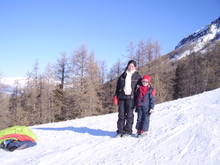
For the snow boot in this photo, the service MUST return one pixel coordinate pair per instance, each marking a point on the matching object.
(143, 134)
(125, 135)
(138, 133)
(118, 135)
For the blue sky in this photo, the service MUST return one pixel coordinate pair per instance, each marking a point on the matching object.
(40, 30)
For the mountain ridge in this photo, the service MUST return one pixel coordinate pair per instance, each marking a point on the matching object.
(211, 31)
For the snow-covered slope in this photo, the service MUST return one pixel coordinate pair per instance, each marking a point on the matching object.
(182, 132)
(199, 39)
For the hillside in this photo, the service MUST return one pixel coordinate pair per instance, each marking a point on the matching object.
(185, 131)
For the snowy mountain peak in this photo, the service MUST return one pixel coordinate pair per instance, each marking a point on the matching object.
(200, 41)
(206, 34)
(7, 84)
(12, 81)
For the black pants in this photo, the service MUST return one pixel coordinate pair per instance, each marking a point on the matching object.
(125, 116)
(143, 118)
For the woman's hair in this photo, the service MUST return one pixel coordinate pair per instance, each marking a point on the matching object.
(130, 62)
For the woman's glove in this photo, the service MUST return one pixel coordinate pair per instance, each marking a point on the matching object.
(115, 100)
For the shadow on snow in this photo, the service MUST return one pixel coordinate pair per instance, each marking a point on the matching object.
(94, 132)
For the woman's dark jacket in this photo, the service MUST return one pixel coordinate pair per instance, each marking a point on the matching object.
(135, 80)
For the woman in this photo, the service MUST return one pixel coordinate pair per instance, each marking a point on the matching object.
(126, 85)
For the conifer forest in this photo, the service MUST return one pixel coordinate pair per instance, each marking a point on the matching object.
(78, 85)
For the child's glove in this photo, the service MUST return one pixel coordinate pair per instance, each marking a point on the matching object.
(115, 100)
(151, 111)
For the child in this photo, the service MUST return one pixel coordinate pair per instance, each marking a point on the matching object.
(144, 102)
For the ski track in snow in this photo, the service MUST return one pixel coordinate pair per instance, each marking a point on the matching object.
(182, 132)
